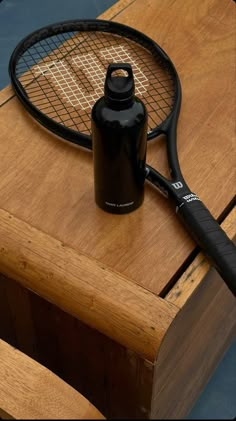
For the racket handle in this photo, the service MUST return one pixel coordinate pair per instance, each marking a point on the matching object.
(208, 234)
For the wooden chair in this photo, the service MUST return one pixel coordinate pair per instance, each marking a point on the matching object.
(29, 390)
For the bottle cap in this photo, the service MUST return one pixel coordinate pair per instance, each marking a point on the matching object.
(119, 88)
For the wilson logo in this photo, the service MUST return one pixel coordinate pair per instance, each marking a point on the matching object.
(177, 185)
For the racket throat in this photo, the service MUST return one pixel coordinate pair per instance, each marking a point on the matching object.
(170, 189)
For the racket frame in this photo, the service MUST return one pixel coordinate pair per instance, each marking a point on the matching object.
(87, 25)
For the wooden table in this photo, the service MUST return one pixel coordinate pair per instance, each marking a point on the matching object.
(123, 307)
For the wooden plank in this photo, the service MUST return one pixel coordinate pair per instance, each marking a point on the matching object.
(78, 354)
(21, 320)
(199, 334)
(192, 347)
(6, 318)
(83, 287)
(198, 269)
(6, 94)
(130, 244)
(30, 391)
(117, 8)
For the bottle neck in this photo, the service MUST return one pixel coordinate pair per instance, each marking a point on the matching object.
(119, 104)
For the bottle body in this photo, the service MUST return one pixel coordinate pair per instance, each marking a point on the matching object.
(119, 138)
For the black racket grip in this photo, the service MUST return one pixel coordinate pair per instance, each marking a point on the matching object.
(214, 242)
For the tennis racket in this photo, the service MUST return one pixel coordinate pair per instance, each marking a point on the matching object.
(58, 73)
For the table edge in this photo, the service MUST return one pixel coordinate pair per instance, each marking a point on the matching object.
(97, 295)
(83, 287)
(198, 269)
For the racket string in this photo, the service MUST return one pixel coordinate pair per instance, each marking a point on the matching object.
(64, 75)
(55, 112)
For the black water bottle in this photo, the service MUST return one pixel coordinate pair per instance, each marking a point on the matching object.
(119, 135)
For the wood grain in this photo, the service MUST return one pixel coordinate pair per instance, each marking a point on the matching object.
(113, 378)
(116, 9)
(49, 183)
(30, 391)
(197, 270)
(84, 287)
(6, 94)
(192, 347)
(131, 387)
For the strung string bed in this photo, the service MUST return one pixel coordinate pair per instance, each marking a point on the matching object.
(64, 75)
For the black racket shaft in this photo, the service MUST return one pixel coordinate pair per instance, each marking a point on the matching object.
(202, 226)
(208, 234)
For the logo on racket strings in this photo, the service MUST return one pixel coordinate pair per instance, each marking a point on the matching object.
(73, 91)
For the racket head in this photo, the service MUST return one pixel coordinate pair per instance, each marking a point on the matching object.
(58, 73)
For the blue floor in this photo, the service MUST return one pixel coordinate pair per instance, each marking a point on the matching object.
(20, 17)
(17, 19)
(218, 400)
